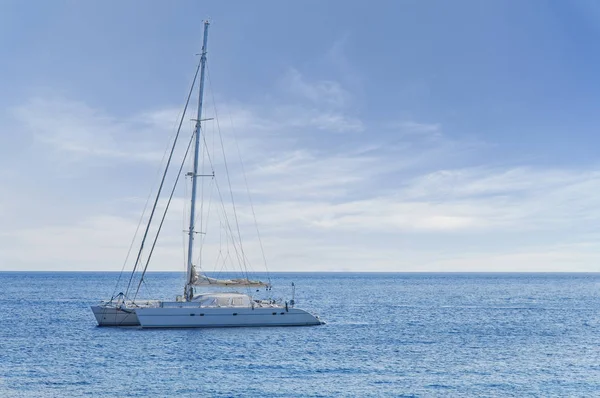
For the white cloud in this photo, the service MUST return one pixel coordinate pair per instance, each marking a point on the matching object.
(322, 92)
(323, 202)
(451, 200)
(325, 231)
(336, 122)
(300, 119)
(309, 175)
(74, 128)
(414, 127)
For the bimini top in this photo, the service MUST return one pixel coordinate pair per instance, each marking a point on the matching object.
(223, 300)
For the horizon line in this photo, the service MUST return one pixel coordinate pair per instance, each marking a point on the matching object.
(333, 272)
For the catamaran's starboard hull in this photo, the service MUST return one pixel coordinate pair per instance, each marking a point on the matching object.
(113, 316)
(223, 317)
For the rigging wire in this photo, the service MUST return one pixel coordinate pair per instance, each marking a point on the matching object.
(200, 216)
(262, 250)
(133, 240)
(185, 216)
(244, 258)
(211, 186)
(141, 219)
(228, 224)
(137, 261)
(220, 255)
(203, 238)
(140, 223)
(163, 217)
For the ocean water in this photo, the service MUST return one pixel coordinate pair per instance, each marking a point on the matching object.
(412, 335)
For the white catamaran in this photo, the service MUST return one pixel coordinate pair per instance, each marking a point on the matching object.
(208, 309)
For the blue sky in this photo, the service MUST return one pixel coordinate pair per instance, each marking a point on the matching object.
(376, 136)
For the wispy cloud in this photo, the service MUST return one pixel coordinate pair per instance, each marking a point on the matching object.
(323, 92)
(452, 200)
(412, 127)
(320, 104)
(307, 118)
(74, 128)
(399, 202)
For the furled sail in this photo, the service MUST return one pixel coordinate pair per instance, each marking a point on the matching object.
(203, 280)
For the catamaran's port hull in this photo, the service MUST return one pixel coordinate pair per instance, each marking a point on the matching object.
(223, 317)
(113, 316)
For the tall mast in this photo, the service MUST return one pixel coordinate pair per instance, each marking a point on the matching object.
(188, 287)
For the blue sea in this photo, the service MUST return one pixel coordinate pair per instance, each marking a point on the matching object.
(397, 335)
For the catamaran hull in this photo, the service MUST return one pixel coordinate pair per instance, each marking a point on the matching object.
(223, 317)
(113, 316)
